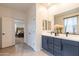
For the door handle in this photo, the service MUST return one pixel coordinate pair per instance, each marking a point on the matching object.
(61, 46)
(3, 33)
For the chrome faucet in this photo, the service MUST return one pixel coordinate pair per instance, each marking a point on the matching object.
(67, 34)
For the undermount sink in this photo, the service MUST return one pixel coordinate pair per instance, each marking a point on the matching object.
(69, 37)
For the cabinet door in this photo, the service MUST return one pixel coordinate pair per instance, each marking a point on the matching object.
(57, 47)
(50, 44)
(57, 53)
(69, 50)
(44, 42)
(57, 41)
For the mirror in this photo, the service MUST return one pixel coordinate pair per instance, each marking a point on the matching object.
(67, 22)
(46, 25)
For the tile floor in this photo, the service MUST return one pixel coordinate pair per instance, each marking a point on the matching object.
(22, 49)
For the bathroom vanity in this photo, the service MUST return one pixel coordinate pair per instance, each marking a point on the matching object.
(61, 45)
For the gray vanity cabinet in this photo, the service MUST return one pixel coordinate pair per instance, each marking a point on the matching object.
(60, 47)
(57, 47)
(50, 45)
(70, 48)
(47, 43)
(44, 42)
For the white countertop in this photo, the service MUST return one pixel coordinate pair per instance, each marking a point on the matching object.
(63, 36)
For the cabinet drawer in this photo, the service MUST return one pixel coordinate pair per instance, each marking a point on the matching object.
(69, 50)
(50, 40)
(57, 47)
(57, 41)
(50, 47)
(57, 44)
(57, 53)
(74, 43)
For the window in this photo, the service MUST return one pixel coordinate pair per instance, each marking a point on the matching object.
(70, 24)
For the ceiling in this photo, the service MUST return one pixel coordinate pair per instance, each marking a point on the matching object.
(57, 8)
(18, 6)
(47, 5)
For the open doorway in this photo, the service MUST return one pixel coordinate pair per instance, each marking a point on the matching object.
(19, 31)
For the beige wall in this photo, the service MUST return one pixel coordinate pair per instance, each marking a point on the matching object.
(9, 12)
(30, 27)
(59, 19)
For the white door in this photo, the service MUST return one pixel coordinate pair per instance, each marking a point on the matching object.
(8, 30)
